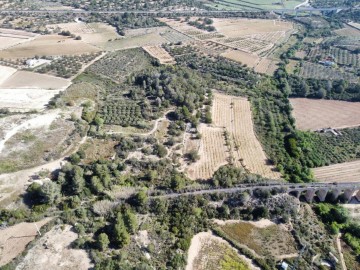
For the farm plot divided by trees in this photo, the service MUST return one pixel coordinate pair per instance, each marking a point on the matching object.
(234, 114)
(317, 71)
(118, 65)
(314, 114)
(342, 172)
(342, 57)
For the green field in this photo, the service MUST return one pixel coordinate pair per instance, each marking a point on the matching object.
(253, 4)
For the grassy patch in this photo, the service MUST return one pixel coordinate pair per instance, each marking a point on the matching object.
(272, 240)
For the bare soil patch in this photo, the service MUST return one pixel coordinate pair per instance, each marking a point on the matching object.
(209, 252)
(10, 37)
(5, 73)
(26, 79)
(342, 172)
(314, 114)
(266, 66)
(48, 45)
(348, 31)
(234, 114)
(53, 251)
(213, 153)
(14, 239)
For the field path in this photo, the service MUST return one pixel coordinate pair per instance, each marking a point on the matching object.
(343, 265)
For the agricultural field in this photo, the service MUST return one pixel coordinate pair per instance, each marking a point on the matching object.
(234, 115)
(342, 172)
(53, 251)
(10, 37)
(348, 31)
(266, 66)
(5, 73)
(96, 34)
(14, 239)
(314, 114)
(25, 91)
(241, 40)
(67, 66)
(209, 252)
(118, 65)
(159, 53)
(342, 57)
(263, 237)
(213, 153)
(316, 71)
(48, 45)
(139, 38)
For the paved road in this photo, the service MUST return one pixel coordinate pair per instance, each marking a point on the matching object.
(168, 12)
(252, 187)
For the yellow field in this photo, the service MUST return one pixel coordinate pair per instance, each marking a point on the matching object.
(342, 172)
(313, 114)
(159, 53)
(213, 153)
(234, 114)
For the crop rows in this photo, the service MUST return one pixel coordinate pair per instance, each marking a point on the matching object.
(316, 71)
(175, 37)
(342, 57)
(121, 113)
(209, 36)
(252, 46)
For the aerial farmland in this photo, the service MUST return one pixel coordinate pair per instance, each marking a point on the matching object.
(179, 134)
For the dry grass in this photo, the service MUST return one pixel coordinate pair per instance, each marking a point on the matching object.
(96, 149)
(348, 31)
(234, 114)
(48, 45)
(212, 151)
(311, 114)
(14, 239)
(208, 252)
(342, 172)
(274, 240)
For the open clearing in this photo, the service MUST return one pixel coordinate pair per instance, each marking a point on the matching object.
(213, 153)
(10, 37)
(48, 45)
(52, 251)
(209, 252)
(97, 34)
(263, 237)
(314, 114)
(14, 239)
(342, 172)
(234, 114)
